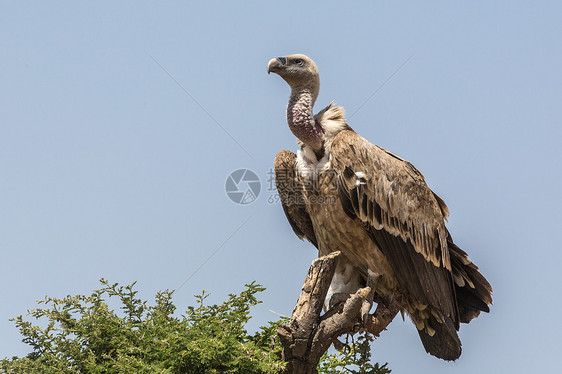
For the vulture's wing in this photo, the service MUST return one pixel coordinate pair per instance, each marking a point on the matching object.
(289, 190)
(401, 214)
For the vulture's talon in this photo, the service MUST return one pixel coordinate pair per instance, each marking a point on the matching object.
(365, 309)
(337, 298)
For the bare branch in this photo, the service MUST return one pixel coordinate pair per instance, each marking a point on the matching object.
(309, 335)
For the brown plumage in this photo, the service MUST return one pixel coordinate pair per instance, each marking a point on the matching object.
(344, 193)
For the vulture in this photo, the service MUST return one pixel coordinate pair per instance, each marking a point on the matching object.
(343, 193)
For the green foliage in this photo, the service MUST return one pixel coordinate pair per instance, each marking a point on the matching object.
(84, 335)
(355, 358)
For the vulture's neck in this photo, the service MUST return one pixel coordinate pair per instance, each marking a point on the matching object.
(300, 118)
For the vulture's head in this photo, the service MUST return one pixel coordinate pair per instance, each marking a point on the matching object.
(297, 70)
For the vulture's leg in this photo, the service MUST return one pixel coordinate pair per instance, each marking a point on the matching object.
(372, 278)
(346, 281)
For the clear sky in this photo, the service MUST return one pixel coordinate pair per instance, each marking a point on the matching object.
(110, 169)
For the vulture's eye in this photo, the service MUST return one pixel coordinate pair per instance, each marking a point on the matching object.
(299, 62)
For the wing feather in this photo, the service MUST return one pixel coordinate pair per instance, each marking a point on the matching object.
(406, 206)
(291, 197)
(401, 214)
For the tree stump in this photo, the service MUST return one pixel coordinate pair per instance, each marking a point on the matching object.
(309, 334)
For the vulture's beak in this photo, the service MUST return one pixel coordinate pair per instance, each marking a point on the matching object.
(276, 64)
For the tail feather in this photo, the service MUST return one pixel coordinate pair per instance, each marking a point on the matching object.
(473, 291)
(473, 294)
(445, 342)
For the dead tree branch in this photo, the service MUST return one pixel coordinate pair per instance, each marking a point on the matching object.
(309, 335)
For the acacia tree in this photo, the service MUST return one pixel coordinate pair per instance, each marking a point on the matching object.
(84, 335)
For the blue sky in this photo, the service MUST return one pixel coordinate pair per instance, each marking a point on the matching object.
(110, 169)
